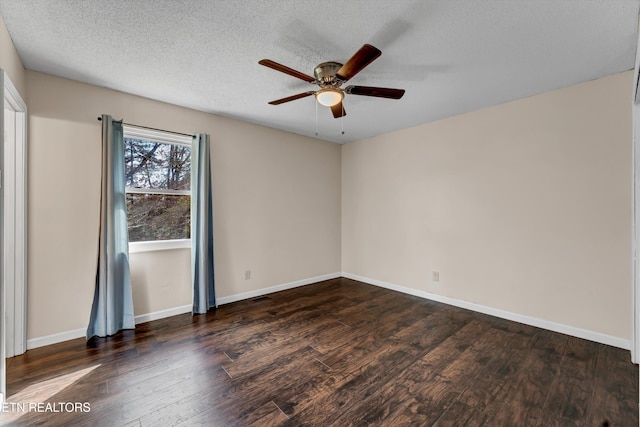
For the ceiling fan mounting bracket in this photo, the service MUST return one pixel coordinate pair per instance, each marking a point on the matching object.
(325, 74)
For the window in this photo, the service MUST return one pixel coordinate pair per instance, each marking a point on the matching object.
(158, 189)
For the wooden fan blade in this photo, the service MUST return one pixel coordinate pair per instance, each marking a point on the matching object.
(380, 92)
(338, 110)
(365, 56)
(291, 98)
(279, 67)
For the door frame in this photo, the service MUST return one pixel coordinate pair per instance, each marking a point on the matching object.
(635, 208)
(635, 235)
(13, 236)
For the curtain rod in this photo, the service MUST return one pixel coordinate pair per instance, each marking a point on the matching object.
(150, 128)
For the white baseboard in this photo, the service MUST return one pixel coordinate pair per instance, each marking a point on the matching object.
(527, 320)
(163, 313)
(80, 333)
(508, 315)
(56, 338)
(277, 288)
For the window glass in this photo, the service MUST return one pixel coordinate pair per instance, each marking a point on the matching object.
(158, 217)
(158, 187)
(151, 164)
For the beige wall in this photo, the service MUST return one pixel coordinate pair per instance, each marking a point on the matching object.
(523, 207)
(276, 204)
(160, 280)
(10, 61)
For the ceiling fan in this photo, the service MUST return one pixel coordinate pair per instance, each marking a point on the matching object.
(331, 75)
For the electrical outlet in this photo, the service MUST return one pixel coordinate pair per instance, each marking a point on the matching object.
(247, 274)
(436, 276)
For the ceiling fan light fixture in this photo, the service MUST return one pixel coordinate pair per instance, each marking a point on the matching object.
(329, 97)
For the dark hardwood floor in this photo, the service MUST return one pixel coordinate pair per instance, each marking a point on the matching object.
(336, 353)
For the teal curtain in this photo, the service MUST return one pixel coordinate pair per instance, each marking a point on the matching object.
(112, 308)
(204, 296)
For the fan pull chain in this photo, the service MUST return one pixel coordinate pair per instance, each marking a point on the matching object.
(342, 118)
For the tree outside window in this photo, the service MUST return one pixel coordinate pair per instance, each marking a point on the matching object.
(158, 181)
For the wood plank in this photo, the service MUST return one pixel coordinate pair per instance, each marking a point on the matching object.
(610, 399)
(521, 399)
(568, 400)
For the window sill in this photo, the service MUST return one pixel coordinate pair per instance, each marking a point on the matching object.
(159, 245)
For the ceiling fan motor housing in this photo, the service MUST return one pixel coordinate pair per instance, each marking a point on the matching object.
(326, 73)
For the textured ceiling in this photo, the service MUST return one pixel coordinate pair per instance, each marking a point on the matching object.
(451, 56)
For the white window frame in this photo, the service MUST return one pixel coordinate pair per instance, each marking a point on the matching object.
(130, 131)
